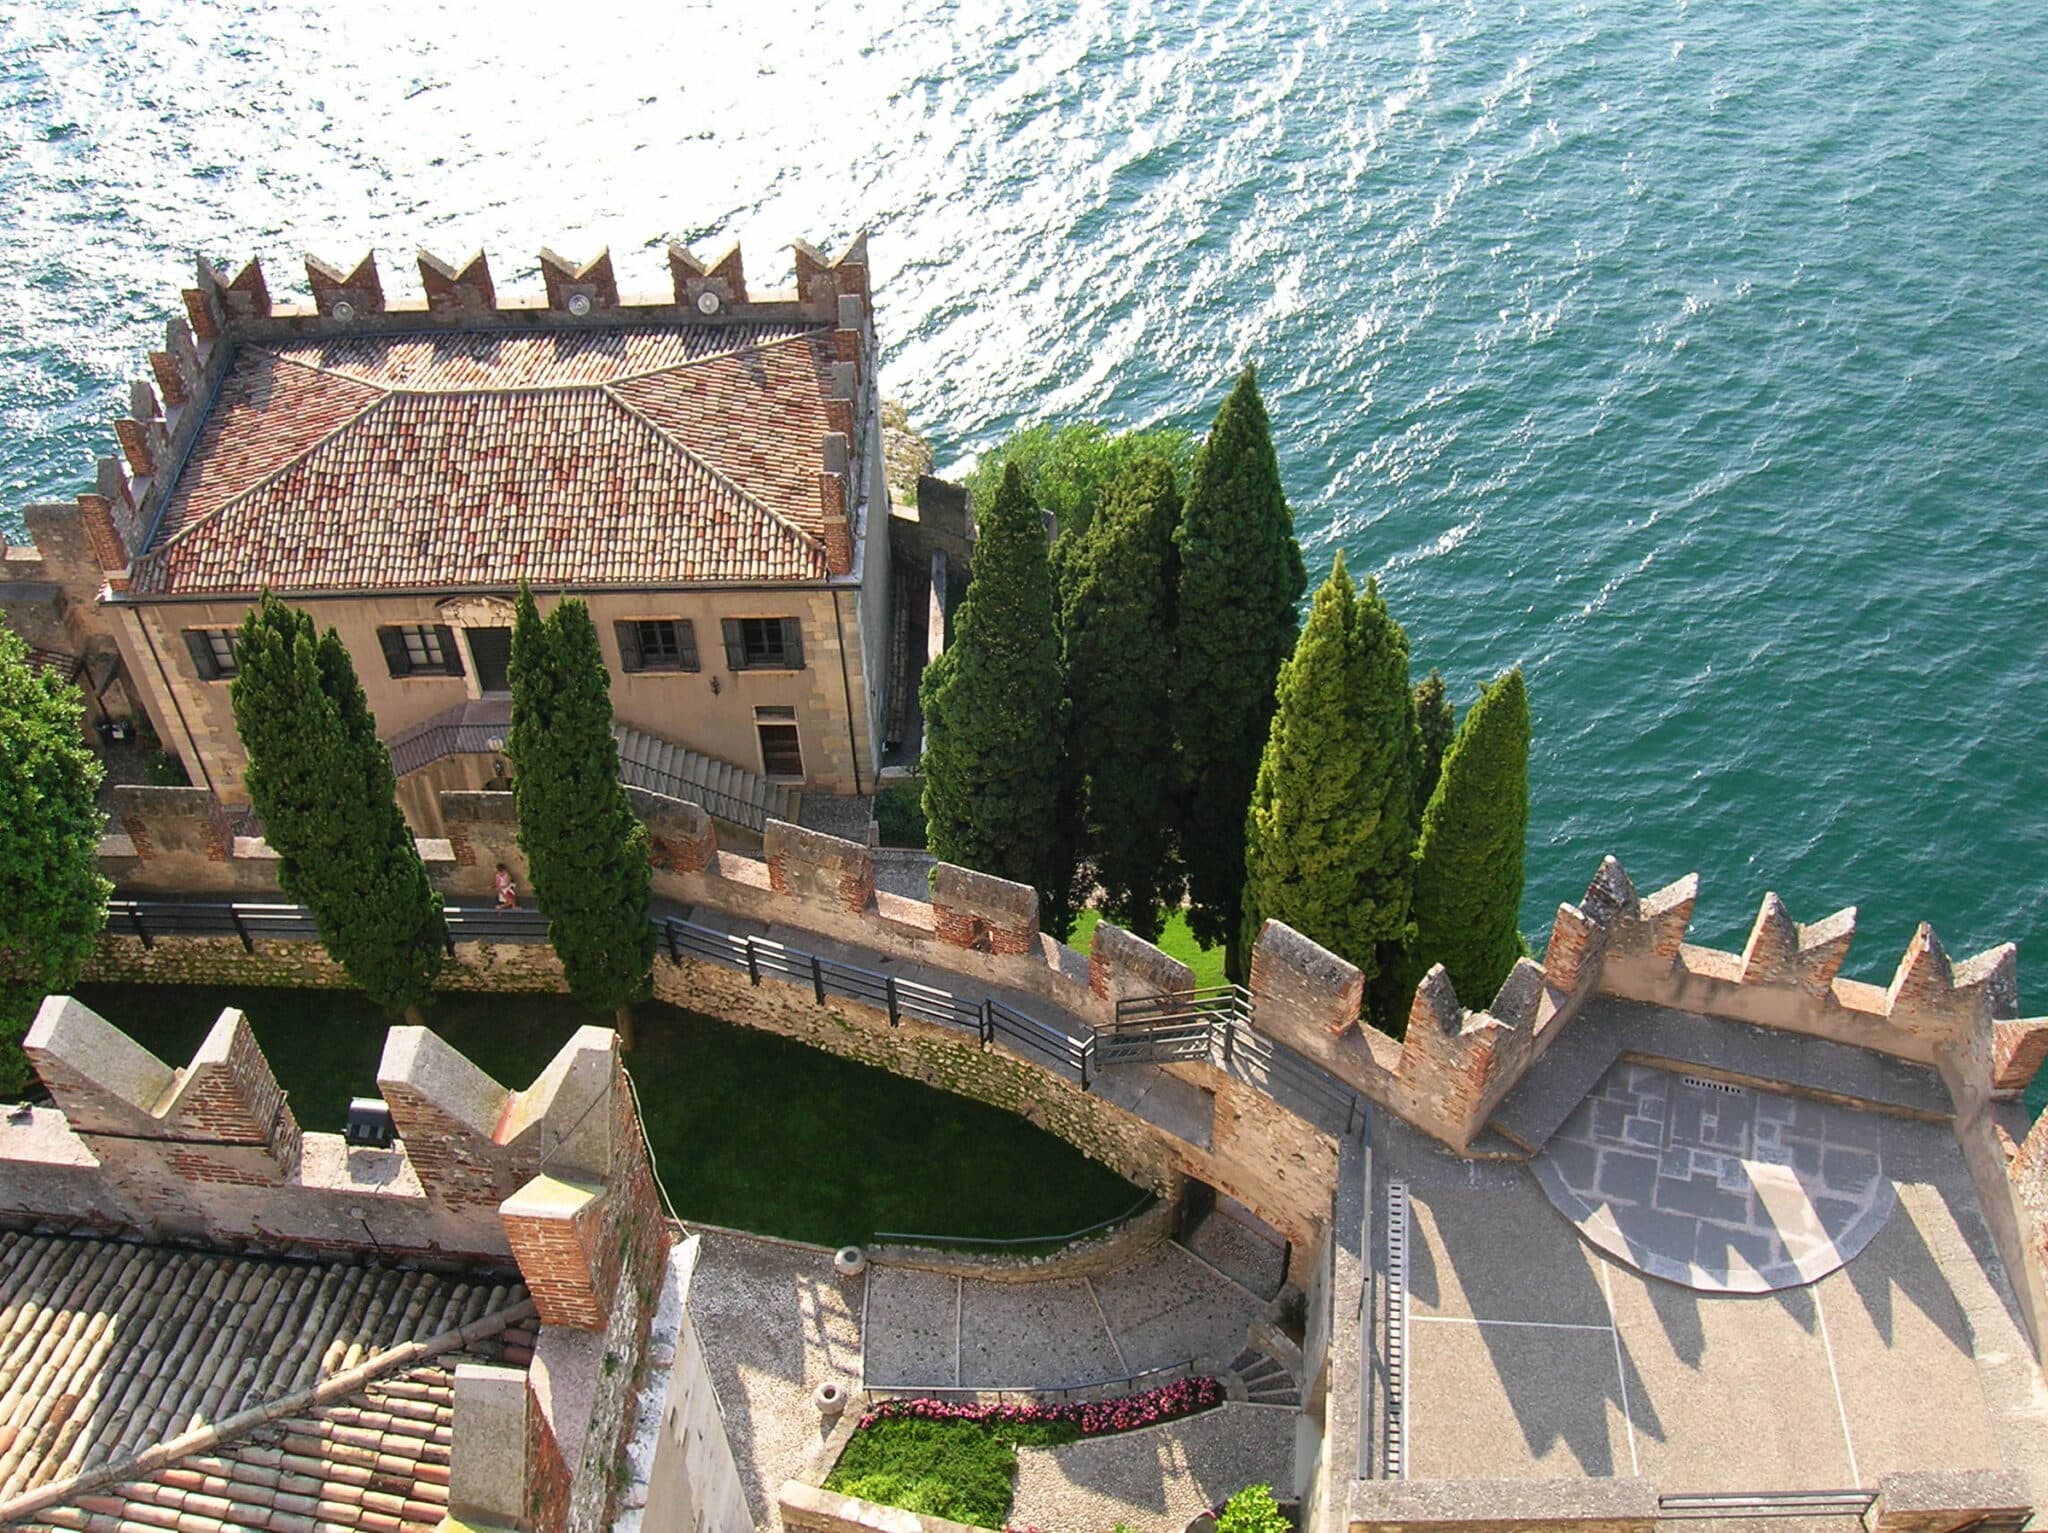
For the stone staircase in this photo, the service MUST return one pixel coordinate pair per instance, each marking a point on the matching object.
(726, 792)
(1266, 1380)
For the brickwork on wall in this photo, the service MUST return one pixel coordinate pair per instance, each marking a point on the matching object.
(810, 864)
(978, 910)
(555, 1177)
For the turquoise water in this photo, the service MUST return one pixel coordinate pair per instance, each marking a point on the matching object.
(1691, 357)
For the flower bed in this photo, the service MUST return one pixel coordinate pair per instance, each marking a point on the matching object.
(958, 1461)
(1093, 1418)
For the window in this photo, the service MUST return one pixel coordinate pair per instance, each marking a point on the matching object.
(781, 754)
(764, 644)
(213, 652)
(657, 644)
(420, 649)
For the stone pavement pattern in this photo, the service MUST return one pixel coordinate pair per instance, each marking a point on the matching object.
(1159, 1478)
(776, 1321)
(1718, 1187)
(933, 1331)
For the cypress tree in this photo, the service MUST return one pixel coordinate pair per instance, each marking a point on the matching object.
(1241, 577)
(53, 900)
(1118, 608)
(1330, 839)
(586, 851)
(322, 781)
(1468, 873)
(1436, 724)
(995, 712)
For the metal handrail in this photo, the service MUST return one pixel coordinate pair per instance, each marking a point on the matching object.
(1221, 1033)
(1765, 1503)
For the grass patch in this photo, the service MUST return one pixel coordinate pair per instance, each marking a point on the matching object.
(1176, 941)
(749, 1129)
(958, 1460)
(961, 1470)
(899, 815)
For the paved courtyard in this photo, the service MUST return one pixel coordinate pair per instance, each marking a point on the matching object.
(775, 1321)
(1533, 1354)
(1717, 1186)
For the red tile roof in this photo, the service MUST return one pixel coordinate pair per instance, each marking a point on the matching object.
(643, 456)
(115, 1349)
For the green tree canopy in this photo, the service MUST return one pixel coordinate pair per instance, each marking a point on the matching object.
(1068, 470)
(321, 780)
(53, 900)
(1241, 577)
(1436, 724)
(586, 851)
(995, 710)
(1330, 839)
(1468, 873)
(1119, 583)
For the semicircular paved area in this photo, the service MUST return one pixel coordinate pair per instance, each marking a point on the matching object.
(1719, 1187)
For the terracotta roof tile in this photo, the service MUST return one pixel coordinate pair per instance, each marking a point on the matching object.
(652, 456)
(107, 1348)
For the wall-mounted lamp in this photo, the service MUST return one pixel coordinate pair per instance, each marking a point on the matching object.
(714, 686)
(498, 768)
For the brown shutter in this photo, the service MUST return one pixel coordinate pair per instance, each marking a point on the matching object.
(686, 644)
(395, 657)
(793, 643)
(735, 646)
(451, 653)
(629, 645)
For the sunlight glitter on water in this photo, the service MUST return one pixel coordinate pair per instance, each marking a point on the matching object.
(1694, 361)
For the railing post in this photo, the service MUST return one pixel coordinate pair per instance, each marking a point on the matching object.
(241, 931)
(889, 989)
(1229, 1038)
(668, 930)
(818, 978)
(753, 963)
(142, 931)
(988, 1021)
(1087, 1049)
(447, 935)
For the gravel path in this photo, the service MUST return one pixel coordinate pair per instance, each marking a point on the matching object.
(775, 1322)
(1158, 1479)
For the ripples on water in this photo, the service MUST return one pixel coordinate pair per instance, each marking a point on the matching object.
(1690, 357)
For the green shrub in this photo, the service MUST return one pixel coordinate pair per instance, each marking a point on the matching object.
(167, 771)
(899, 815)
(1253, 1510)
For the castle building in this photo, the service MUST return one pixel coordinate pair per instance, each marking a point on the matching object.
(705, 469)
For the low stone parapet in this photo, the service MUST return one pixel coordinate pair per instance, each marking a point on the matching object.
(981, 911)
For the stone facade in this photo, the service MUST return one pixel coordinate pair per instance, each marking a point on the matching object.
(72, 590)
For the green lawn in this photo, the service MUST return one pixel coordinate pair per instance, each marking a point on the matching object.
(748, 1129)
(1176, 940)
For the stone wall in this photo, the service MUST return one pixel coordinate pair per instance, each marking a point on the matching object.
(685, 1477)
(554, 1180)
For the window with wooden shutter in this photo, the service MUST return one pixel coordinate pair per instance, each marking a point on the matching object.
(764, 643)
(420, 649)
(213, 652)
(392, 642)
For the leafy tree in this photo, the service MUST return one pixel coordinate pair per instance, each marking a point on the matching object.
(53, 901)
(1330, 839)
(1468, 872)
(1436, 723)
(995, 711)
(1240, 578)
(1253, 1510)
(321, 780)
(1119, 592)
(1068, 470)
(586, 851)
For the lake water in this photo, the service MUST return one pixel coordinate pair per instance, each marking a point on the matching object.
(1694, 358)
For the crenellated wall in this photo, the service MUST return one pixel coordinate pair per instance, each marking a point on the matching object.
(554, 1180)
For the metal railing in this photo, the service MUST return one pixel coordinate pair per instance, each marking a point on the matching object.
(1212, 1026)
(986, 1242)
(1765, 1503)
(1214, 1023)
